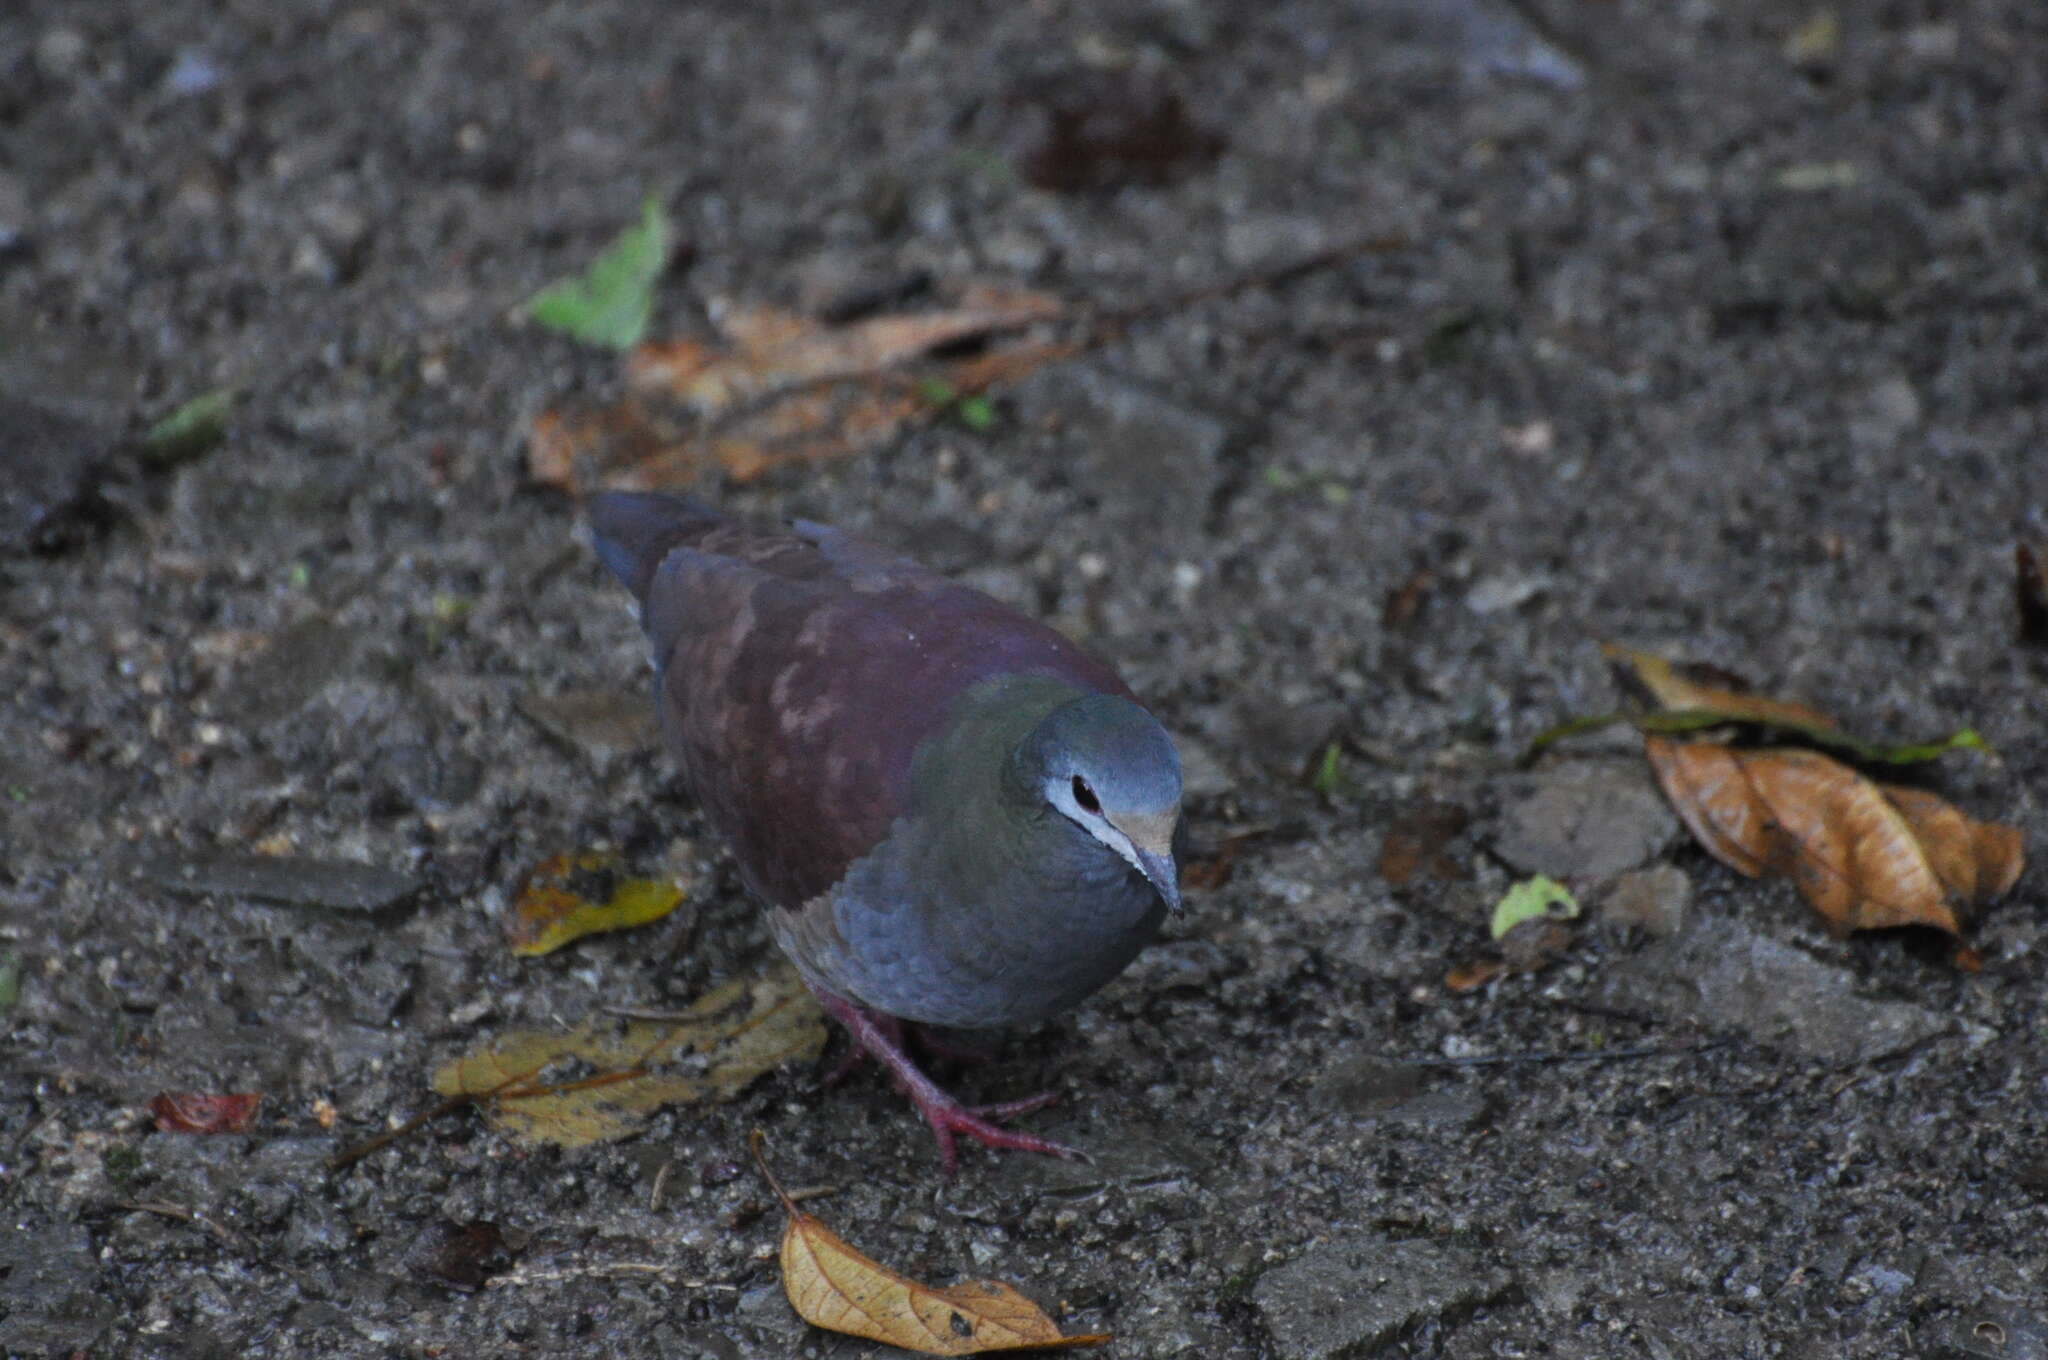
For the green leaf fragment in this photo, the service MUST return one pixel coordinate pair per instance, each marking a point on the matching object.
(1329, 775)
(1533, 898)
(612, 301)
(10, 981)
(191, 430)
(1678, 721)
(976, 413)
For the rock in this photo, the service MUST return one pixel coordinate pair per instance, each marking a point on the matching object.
(603, 724)
(299, 662)
(48, 462)
(1652, 899)
(1720, 975)
(1148, 457)
(338, 885)
(51, 1299)
(1885, 413)
(1369, 1089)
(1349, 1296)
(1586, 819)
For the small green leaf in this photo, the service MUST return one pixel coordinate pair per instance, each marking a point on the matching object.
(1533, 897)
(300, 576)
(1329, 772)
(976, 413)
(612, 301)
(191, 430)
(10, 981)
(937, 391)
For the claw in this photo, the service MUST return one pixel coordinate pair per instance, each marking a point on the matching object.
(881, 1036)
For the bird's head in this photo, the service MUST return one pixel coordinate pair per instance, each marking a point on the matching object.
(1107, 765)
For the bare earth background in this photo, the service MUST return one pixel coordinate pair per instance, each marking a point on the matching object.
(1695, 346)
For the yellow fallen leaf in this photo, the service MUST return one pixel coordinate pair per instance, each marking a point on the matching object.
(625, 1071)
(566, 897)
(831, 1285)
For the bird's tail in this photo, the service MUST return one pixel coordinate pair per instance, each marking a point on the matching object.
(634, 530)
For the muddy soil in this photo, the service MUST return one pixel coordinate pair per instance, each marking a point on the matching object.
(1715, 328)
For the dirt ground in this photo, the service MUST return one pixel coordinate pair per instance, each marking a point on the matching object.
(1716, 329)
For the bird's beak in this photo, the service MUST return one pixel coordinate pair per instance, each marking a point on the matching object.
(1163, 874)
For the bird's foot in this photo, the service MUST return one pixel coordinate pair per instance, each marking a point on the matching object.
(983, 1123)
(937, 1043)
(881, 1036)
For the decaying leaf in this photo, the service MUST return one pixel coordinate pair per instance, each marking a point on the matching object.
(599, 1082)
(1102, 129)
(1679, 687)
(566, 897)
(610, 303)
(196, 1112)
(831, 1285)
(1695, 698)
(769, 350)
(1415, 843)
(465, 1256)
(2030, 593)
(1865, 856)
(779, 387)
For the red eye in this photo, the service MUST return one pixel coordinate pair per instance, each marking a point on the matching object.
(1085, 796)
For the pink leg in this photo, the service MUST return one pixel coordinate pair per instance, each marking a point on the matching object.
(936, 1044)
(882, 1037)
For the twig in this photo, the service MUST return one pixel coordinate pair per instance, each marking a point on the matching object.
(604, 1270)
(221, 1233)
(654, 1196)
(1565, 1055)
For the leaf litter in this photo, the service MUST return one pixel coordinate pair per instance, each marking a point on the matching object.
(834, 1286)
(600, 1081)
(1864, 855)
(778, 387)
(1695, 698)
(775, 388)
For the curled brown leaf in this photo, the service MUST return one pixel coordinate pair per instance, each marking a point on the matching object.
(834, 1286)
(1865, 856)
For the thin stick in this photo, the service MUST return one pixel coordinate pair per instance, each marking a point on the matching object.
(1564, 1056)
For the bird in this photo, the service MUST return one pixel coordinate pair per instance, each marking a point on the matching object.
(956, 817)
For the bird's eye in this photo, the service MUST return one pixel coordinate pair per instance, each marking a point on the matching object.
(1085, 796)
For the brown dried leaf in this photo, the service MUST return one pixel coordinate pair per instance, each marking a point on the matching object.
(197, 1112)
(1415, 843)
(771, 350)
(783, 388)
(1406, 600)
(2030, 593)
(831, 1285)
(1470, 977)
(1106, 129)
(1865, 856)
(1704, 688)
(464, 1256)
(742, 1030)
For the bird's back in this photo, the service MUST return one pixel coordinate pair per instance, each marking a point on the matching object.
(800, 671)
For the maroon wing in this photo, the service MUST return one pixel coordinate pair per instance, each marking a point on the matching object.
(800, 671)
